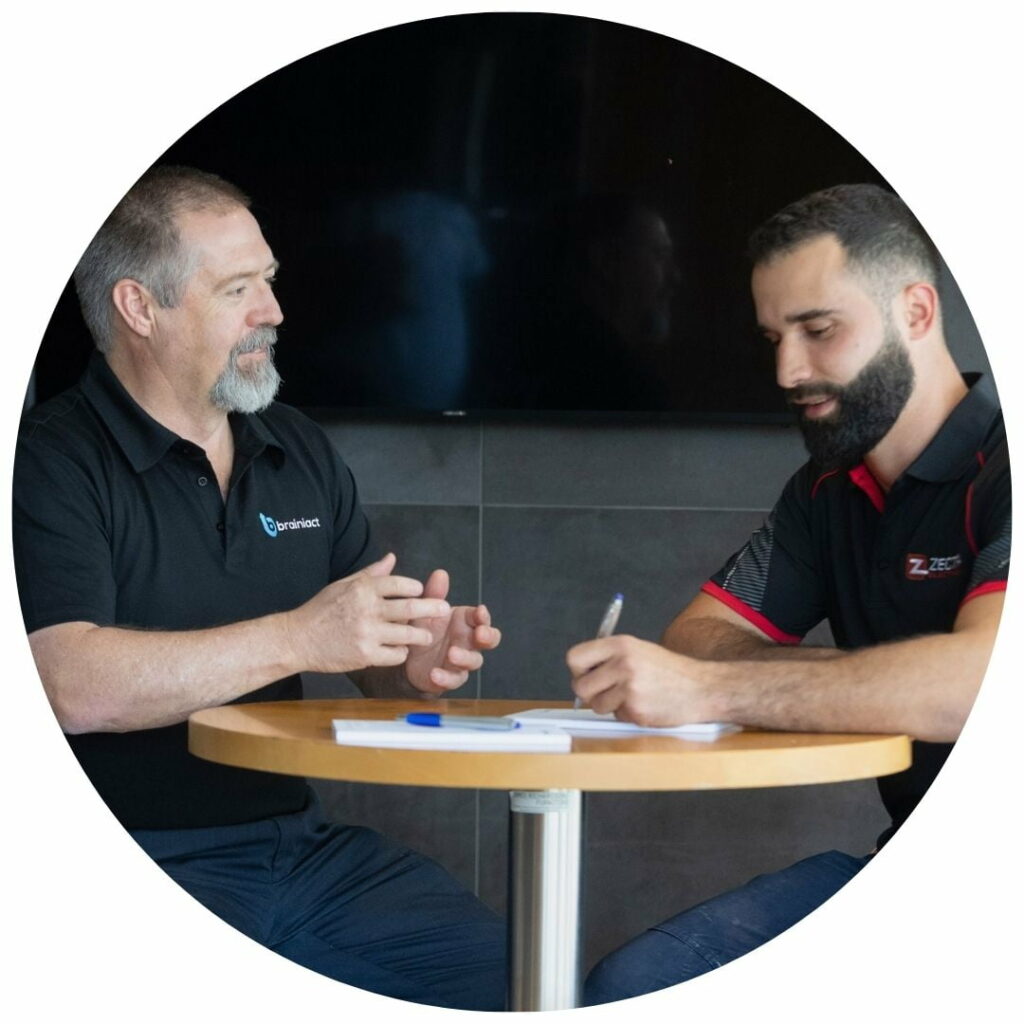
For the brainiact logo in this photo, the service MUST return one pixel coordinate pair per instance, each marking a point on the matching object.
(269, 525)
(275, 526)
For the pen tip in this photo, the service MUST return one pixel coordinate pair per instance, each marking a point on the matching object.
(618, 597)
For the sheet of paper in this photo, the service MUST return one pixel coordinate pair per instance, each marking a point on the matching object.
(586, 720)
(363, 732)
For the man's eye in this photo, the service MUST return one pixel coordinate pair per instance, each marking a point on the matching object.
(240, 290)
(819, 332)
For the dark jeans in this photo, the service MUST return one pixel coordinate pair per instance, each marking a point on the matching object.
(720, 929)
(346, 902)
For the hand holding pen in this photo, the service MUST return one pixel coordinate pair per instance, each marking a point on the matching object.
(607, 627)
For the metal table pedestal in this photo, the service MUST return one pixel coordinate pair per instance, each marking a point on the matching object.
(545, 887)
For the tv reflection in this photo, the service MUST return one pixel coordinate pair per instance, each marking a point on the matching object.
(568, 307)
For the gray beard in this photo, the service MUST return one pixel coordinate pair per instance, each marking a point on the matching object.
(252, 389)
(868, 407)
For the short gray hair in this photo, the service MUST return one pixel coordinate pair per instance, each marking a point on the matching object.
(140, 240)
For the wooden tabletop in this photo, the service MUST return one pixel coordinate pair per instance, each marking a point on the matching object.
(296, 738)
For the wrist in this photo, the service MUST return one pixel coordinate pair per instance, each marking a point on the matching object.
(284, 632)
(718, 685)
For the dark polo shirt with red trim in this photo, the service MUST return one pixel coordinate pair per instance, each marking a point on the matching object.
(884, 566)
(120, 522)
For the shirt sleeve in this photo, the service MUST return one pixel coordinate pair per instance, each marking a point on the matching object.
(988, 519)
(61, 534)
(774, 581)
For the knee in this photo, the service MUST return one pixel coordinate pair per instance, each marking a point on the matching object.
(649, 963)
(611, 979)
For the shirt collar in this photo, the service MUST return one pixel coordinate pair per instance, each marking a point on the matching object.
(144, 440)
(953, 450)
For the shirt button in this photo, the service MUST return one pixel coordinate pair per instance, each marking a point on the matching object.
(220, 527)
(202, 481)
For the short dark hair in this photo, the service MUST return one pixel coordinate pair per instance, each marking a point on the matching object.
(880, 236)
(140, 240)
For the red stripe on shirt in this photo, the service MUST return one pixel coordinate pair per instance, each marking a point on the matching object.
(753, 617)
(968, 501)
(995, 587)
(862, 477)
(821, 479)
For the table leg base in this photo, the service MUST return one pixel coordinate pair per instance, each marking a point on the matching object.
(545, 884)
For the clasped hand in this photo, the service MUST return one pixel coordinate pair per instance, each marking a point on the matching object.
(373, 618)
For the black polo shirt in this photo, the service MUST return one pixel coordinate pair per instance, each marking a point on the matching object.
(120, 522)
(884, 566)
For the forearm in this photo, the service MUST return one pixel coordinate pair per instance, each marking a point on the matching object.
(109, 679)
(924, 687)
(716, 640)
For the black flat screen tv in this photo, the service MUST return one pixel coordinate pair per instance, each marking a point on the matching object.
(508, 214)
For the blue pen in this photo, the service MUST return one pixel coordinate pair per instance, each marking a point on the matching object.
(482, 722)
(607, 627)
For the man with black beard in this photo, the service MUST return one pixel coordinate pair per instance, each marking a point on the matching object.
(867, 407)
(897, 531)
(156, 578)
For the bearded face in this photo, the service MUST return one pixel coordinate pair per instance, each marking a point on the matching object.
(249, 388)
(866, 408)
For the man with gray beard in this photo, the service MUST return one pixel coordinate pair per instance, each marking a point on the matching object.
(897, 531)
(237, 391)
(182, 541)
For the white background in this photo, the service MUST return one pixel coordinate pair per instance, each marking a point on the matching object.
(93, 93)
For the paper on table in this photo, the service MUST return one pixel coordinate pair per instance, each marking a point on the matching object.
(365, 732)
(588, 720)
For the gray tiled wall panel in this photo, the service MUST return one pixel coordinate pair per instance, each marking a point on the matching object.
(637, 466)
(421, 462)
(427, 537)
(549, 573)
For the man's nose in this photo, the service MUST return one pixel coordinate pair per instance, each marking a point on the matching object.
(791, 366)
(267, 311)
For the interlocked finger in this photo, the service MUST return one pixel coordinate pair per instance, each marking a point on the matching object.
(404, 609)
(396, 586)
(394, 634)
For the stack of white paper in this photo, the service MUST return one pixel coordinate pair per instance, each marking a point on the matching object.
(363, 732)
(586, 720)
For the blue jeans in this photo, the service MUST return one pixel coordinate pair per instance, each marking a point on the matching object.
(720, 929)
(346, 902)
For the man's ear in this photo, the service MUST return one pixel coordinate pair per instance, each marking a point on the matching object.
(920, 309)
(135, 305)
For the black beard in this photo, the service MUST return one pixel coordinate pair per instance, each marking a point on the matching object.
(867, 408)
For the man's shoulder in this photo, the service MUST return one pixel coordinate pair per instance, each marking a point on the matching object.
(993, 477)
(65, 421)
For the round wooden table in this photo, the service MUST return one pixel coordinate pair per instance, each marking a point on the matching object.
(545, 805)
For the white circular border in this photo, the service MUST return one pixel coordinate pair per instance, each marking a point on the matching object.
(94, 93)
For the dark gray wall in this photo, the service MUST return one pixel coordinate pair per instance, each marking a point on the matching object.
(544, 523)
